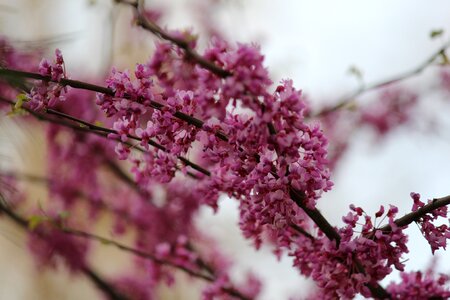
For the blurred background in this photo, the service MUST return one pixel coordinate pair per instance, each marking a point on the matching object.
(315, 43)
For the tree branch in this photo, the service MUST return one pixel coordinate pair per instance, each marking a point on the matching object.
(181, 43)
(103, 131)
(365, 88)
(376, 290)
(297, 196)
(107, 288)
(8, 73)
(150, 142)
(102, 284)
(416, 215)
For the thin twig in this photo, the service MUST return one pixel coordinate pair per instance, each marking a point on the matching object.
(7, 73)
(82, 234)
(99, 131)
(150, 142)
(365, 88)
(179, 42)
(416, 215)
(102, 284)
(33, 178)
(151, 257)
(97, 128)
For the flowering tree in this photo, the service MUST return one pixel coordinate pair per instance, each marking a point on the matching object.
(152, 146)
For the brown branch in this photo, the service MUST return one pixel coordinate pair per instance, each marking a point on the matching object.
(416, 215)
(179, 42)
(86, 128)
(137, 252)
(150, 142)
(7, 73)
(315, 215)
(93, 276)
(297, 196)
(102, 284)
(122, 175)
(365, 88)
(89, 127)
(152, 257)
(46, 118)
(302, 231)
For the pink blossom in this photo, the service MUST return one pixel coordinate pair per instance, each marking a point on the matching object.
(47, 93)
(436, 236)
(416, 285)
(49, 243)
(394, 108)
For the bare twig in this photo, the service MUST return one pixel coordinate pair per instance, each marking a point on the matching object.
(365, 88)
(102, 284)
(181, 43)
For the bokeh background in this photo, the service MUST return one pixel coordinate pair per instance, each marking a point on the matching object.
(313, 42)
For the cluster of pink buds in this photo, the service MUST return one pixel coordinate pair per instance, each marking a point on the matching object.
(46, 93)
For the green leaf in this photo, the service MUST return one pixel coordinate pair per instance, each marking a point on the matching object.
(21, 98)
(355, 71)
(35, 221)
(17, 108)
(436, 33)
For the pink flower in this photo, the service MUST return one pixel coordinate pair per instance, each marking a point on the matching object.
(49, 244)
(436, 236)
(416, 285)
(47, 93)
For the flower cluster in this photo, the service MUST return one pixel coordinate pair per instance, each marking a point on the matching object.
(416, 285)
(267, 152)
(394, 108)
(179, 253)
(337, 271)
(436, 236)
(161, 223)
(46, 93)
(222, 287)
(49, 243)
